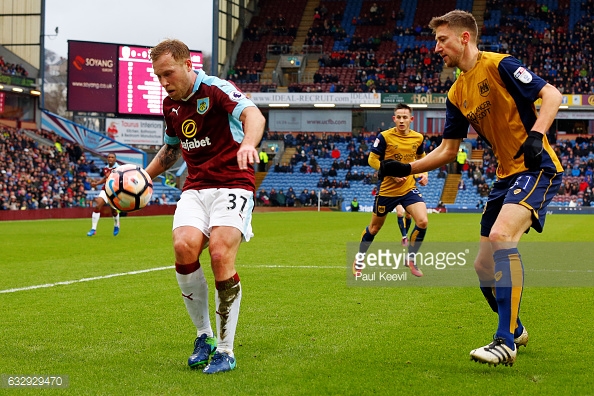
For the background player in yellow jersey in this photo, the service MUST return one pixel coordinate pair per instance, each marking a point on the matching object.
(403, 218)
(403, 144)
(495, 93)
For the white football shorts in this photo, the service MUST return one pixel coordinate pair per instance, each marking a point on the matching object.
(215, 207)
(103, 196)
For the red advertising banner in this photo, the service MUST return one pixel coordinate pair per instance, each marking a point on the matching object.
(92, 71)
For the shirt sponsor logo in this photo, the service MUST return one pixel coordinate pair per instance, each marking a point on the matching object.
(189, 128)
(480, 112)
(203, 105)
(195, 143)
(523, 75)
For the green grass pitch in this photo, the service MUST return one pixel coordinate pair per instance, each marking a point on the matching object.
(114, 329)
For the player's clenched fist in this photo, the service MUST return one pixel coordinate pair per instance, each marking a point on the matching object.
(532, 150)
(390, 167)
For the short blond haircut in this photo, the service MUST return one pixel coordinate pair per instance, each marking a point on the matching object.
(178, 50)
(458, 20)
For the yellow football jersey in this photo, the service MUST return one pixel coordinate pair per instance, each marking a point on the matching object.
(393, 144)
(497, 97)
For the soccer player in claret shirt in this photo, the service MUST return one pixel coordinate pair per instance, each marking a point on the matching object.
(101, 199)
(399, 142)
(495, 94)
(216, 129)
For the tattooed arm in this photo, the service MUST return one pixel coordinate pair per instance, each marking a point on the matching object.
(165, 159)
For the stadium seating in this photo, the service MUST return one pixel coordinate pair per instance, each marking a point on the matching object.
(520, 32)
(360, 190)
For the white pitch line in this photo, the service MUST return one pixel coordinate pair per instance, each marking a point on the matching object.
(142, 272)
(47, 285)
(84, 280)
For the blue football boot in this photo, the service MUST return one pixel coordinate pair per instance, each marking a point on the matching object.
(204, 347)
(220, 363)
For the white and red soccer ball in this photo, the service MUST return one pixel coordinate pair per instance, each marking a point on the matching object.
(129, 188)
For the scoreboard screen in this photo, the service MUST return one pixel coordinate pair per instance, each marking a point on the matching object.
(114, 78)
(139, 90)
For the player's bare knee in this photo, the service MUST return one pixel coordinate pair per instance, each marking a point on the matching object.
(498, 235)
(484, 268)
(422, 223)
(182, 247)
(221, 262)
(374, 228)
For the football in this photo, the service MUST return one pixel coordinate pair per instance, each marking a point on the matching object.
(129, 188)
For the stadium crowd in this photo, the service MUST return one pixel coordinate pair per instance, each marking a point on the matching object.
(47, 173)
(577, 157)
(34, 175)
(12, 69)
(543, 40)
(40, 176)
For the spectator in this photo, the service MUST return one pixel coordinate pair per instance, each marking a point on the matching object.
(263, 198)
(440, 208)
(354, 205)
(281, 198)
(304, 197)
(460, 160)
(273, 196)
(480, 204)
(312, 199)
(263, 161)
(291, 197)
(335, 153)
(334, 198)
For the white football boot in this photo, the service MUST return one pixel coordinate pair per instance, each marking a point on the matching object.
(495, 353)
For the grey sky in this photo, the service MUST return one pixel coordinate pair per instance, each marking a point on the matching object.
(137, 22)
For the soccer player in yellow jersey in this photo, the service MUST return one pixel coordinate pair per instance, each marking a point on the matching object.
(495, 94)
(402, 144)
(403, 218)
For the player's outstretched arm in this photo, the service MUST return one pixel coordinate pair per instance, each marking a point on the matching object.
(443, 154)
(253, 129)
(98, 182)
(165, 159)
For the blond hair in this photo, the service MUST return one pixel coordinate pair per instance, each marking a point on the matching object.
(457, 20)
(178, 50)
